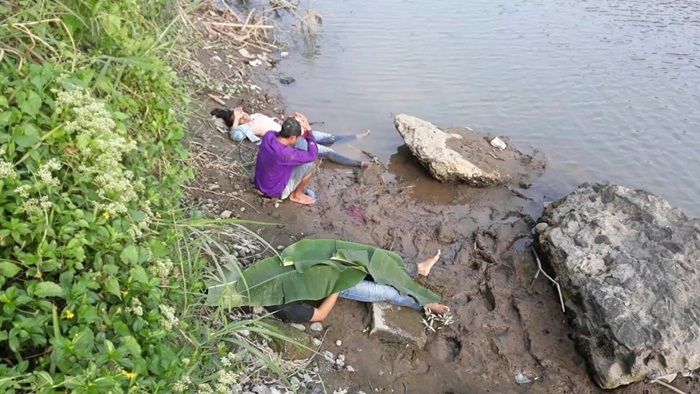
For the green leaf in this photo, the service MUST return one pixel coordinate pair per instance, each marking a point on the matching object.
(139, 274)
(29, 103)
(132, 345)
(8, 269)
(48, 289)
(320, 268)
(130, 254)
(111, 284)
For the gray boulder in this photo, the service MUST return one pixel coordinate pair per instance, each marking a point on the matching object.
(629, 267)
(460, 154)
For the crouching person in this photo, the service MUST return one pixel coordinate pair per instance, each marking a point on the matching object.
(283, 171)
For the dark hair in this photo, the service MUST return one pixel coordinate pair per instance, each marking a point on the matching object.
(290, 128)
(224, 114)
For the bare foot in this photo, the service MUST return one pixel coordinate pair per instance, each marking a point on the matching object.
(364, 164)
(364, 135)
(425, 266)
(301, 198)
(438, 308)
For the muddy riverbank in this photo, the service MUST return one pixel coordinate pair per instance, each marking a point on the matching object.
(506, 322)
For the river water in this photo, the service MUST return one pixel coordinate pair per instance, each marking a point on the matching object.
(608, 90)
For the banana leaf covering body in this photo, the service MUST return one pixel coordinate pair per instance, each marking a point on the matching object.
(313, 269)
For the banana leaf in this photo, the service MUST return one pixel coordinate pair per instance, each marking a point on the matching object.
(312, 270)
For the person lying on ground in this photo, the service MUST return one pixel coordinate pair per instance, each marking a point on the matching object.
(281, 170)
(254, 126)
(364, 291)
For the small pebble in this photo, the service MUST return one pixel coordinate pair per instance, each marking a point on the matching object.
(277, 205)
(242, 209)
(338, 342)
(280, 247)
(226, 214)
(349, 368)
(317, 342)
(299, 327)
(316, 326)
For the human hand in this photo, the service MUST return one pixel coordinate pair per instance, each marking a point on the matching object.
(238, 112)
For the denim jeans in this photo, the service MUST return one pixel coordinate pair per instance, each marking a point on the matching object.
(367, 291)
(324, 140)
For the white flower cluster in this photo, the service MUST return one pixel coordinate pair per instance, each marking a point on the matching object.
(44, 172)
(7, 170)
(161, 268)
(36, 206)
(183, 384)
(226, 381)
(170, 320)
(103, 146)
(23, 190)
(136, 307)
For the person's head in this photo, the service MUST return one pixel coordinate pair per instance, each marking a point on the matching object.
(291, 130)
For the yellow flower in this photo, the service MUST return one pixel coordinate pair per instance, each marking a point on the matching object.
(129, 375)
(68, 314)
(105, 215)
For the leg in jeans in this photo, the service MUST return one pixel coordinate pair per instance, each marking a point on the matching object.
(328, 153)
(331, 155)
(328, 139)
(367, 291)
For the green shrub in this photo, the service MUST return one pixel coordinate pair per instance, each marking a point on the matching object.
(93, 289)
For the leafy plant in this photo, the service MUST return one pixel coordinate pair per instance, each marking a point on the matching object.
(100, 280)
(312, 270)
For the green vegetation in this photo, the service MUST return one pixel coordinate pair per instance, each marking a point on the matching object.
(313, 269)
(101, 278)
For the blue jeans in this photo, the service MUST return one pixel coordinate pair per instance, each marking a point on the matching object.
(367, 291)
(324, 140)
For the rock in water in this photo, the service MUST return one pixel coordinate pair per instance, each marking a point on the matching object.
(629, 266)
(462, 155)
(429, 144)
(395, 324)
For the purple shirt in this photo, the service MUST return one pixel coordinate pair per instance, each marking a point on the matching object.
(276, 162)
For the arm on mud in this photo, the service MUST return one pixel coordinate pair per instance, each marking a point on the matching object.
(324, 309)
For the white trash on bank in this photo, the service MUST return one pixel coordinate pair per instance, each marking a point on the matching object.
(498, 143)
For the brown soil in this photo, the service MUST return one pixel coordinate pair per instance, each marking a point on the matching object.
(505, 322)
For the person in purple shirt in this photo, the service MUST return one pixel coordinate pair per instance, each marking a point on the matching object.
(283, 171)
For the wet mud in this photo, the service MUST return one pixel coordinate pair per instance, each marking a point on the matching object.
(507, 323)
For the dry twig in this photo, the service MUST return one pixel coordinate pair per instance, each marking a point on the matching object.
(539, 267)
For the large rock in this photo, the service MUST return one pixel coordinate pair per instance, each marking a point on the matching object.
(395, 324)
(459, 154)
(629, 266)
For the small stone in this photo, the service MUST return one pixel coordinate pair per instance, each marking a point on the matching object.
(277, 205)
(521, 378)
(242, 209)
(339, 362)
(338, 342)
(328, 356)
(316, 326)
(349, 368)
(299, 327)
(284, 54)
(540, 227)
(226, 214)
(245, 333)
(317, 342)
(294, 381)
(280, 247)
(287, 80)
(214, 186)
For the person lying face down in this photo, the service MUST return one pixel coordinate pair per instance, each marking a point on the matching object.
(282, 170)
(365, 291)
(254, 126)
